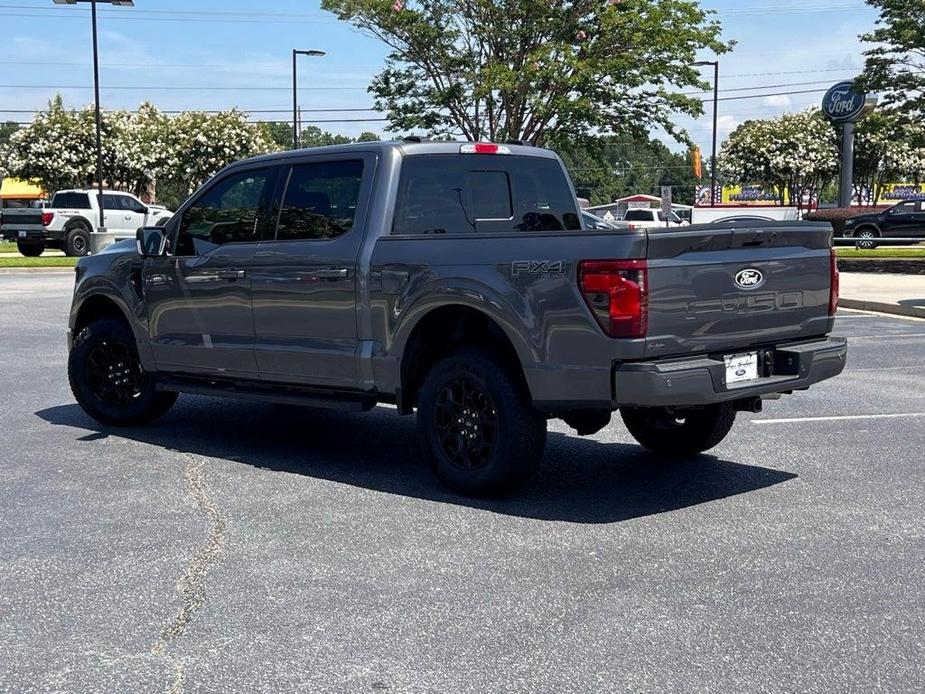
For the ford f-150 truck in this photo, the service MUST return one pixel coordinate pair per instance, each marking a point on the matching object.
(455, 281)
(73, 215)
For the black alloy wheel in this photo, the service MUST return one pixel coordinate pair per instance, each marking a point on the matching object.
(114, 373)
(465, 420)
(107, 377)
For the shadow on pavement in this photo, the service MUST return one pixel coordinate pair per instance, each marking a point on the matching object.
(581, 480)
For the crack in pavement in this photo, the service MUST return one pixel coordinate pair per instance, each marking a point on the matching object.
(191, 583)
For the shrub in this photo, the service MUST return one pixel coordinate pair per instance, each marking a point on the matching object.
(838, 215)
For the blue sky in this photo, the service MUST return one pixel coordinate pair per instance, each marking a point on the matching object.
(234, 54)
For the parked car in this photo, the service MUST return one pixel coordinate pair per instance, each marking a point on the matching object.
(594, 222)
(73, 216)
(648, 218)
(904, 220)
(454, 280)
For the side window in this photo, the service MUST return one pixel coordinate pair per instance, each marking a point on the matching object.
(320, 200)
(637, 216)
(112, 202)
(129, 204)
(226, 213)
(543, 200)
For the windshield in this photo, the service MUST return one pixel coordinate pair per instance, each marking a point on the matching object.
(672, 217)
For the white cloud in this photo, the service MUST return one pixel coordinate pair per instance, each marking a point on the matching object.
(725, 125)
(778, 101)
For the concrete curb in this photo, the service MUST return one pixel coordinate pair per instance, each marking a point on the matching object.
(894, 309)
(38, 269)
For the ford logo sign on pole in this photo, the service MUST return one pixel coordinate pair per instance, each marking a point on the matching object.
(846, 104)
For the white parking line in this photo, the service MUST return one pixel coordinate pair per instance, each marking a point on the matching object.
(880, 337)
(837, 418)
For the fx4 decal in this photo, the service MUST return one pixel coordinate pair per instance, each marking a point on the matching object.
(538, 267)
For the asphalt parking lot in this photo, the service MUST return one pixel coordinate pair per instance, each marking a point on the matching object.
(243, 547)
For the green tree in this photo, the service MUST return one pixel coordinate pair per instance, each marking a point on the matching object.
(279, 133)
(533, 69)
(606, 168)
(895, 65)
(6, 131)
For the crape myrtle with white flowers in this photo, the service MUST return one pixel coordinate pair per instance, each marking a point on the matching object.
(796, 155)
(57, 150)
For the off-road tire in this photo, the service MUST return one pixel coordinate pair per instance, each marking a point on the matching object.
(679, 433)
(77, 240)
(30, 249)
(88, 377)
(492, 404)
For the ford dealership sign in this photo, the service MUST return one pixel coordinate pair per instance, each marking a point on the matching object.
(845, 103)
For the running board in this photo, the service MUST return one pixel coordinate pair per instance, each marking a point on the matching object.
(345, 401)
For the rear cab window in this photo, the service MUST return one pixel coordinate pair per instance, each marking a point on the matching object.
(465, 194)
(639, 216)
(71, 201)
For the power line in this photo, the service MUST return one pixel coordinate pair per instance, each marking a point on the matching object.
(220, 110)
(60, 13)
(171, 88)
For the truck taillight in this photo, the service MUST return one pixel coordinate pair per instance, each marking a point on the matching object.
(47, 217)
(617, 292)
(833, 284)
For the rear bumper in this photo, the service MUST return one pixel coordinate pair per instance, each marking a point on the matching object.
(701, 380)
(29, 233)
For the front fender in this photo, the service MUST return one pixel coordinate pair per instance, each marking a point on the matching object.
(116, 282)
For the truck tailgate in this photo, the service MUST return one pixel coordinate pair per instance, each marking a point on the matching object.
(716, 290)
(13, 219)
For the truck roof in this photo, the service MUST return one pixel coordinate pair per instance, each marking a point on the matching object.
(91, 191)
(406, 147)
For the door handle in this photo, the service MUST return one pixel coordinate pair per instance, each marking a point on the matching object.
(231, 275)
(330, 273)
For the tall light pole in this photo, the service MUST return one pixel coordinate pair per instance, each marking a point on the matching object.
(295, 95)
(715, 64)
(96, 90)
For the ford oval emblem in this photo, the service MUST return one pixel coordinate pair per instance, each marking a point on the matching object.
(750, 278)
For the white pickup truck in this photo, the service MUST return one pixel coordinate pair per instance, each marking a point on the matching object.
(73, 216)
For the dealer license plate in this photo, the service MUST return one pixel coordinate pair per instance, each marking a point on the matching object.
(741, 367)
(22, 234)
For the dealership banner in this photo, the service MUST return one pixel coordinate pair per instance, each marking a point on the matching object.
(757, 195)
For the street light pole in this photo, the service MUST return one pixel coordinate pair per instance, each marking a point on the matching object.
(99, 116)
(96, 92)
(715, 64)
(295, 92)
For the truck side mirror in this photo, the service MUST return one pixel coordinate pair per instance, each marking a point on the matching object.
(151, 242)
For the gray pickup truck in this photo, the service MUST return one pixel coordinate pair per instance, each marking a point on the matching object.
(457, 281)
